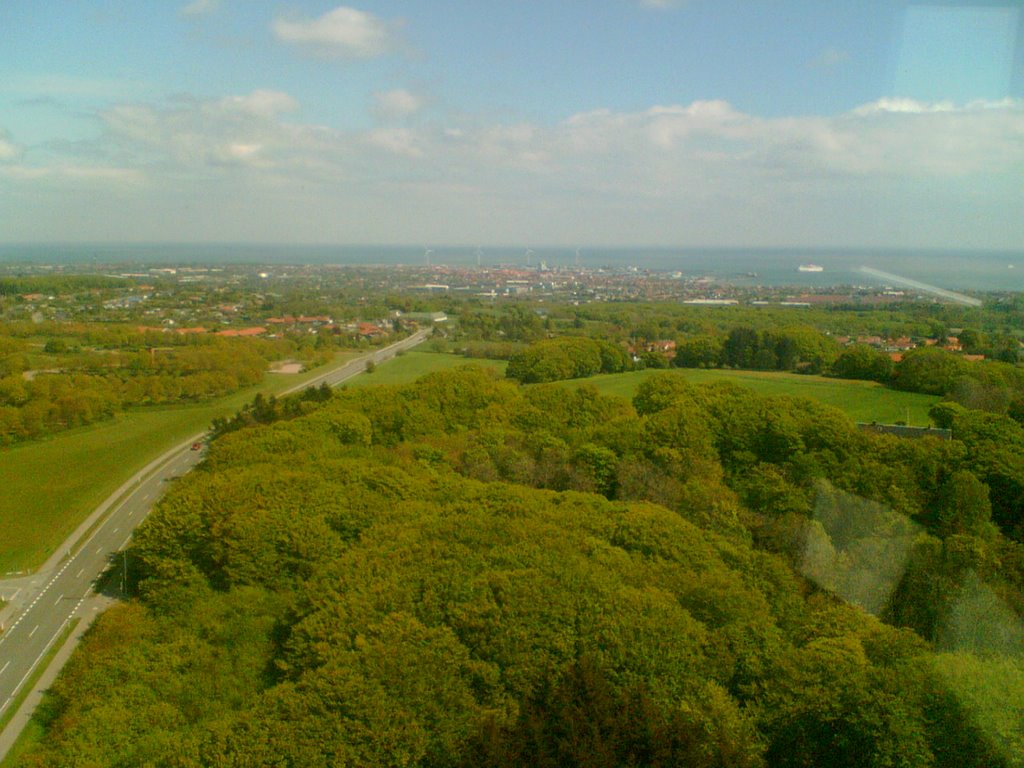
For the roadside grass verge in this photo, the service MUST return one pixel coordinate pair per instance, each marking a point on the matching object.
(861, 400)
(51, 485)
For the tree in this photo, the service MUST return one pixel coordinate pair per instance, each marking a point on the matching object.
(863, 362)
(614, 359)
(586, 719)
(660, 391)
(653, 360)
(964, 506)
(566, 357)
(740, 347)
(971, 340)
(698, 352)
(979, 395)
(929, 370)
(945, 414)
(836, 709)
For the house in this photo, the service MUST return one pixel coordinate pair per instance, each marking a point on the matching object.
(315, 320)
(245, 332)
(952, 344)
(901, 344)
(871, 341)
(433, 317)
(370, 331)
(902, 430)
(665, 347)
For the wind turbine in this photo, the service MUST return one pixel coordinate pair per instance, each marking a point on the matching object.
(426, 255)
(479, 254)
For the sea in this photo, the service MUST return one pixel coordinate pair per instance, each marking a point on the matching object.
(949, 269)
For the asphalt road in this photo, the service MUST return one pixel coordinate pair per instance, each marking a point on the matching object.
(335, 377)
(42, 605)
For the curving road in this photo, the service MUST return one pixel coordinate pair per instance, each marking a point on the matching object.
(41, 606)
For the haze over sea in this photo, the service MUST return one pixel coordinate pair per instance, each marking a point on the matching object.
(950, 269)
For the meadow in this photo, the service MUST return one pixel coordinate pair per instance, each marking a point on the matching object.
(864, 401)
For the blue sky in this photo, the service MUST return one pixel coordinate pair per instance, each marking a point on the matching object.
(604, 122)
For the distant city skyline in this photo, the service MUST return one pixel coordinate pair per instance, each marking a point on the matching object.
(682, 123)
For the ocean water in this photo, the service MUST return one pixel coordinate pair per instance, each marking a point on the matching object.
(952, 270)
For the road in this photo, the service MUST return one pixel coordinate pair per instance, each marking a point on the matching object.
(338, 375)
(44, 604)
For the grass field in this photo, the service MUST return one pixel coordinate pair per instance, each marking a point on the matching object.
(410, 366)
(861, 400)
(50, 486)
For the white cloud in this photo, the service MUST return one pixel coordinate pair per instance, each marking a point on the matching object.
(659, 151)
(398, 141)
(343, 33)
(904, 106)
(201, 135)
(893, 137)
(200, 7)
(244, 151)
(61, 86)
(661, 4)
(653, 151)
(70, 172)
(8, 150)
(703, 172)
(830, 58)
(261, 102)
(396, 104)
(888, 138)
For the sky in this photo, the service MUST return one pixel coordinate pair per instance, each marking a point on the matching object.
(677, 123)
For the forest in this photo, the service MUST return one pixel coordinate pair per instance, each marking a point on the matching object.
(467, 571)
(58, 376)
(993, 385)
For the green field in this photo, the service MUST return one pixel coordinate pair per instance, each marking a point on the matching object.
(861, 400)
(50, 486)
(408, 367)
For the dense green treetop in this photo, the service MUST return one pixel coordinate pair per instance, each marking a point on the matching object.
(467, 572)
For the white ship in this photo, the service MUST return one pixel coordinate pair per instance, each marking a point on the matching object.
(810, 268)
